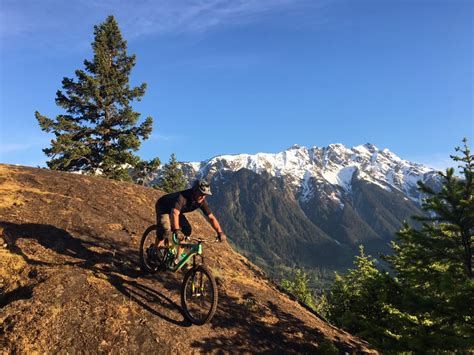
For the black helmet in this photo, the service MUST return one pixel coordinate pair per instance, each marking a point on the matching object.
(202, 186)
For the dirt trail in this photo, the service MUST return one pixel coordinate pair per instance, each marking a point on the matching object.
(70, 281)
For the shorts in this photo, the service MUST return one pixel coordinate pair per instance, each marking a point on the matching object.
(164, 224)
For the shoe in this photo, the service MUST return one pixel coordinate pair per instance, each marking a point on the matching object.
(152, 254)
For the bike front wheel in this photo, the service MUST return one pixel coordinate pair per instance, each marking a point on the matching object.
(199, 295)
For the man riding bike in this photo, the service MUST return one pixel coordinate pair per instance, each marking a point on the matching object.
(170, 211)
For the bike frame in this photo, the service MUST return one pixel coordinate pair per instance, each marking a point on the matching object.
(193, 250)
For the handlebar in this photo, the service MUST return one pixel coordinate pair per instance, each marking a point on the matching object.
(199, 240)
(202, 240)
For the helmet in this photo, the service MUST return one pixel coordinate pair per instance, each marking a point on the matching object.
(202, 186)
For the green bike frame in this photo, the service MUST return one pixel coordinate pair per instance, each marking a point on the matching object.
(192, 249)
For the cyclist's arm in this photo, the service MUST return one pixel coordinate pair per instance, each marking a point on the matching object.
(176, 211)
(174, 218)
(215, 223)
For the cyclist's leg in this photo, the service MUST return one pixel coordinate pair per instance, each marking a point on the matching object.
(185, 225)
(163, 227)
(185, 228)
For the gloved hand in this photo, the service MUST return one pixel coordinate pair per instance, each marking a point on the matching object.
(179, 234)
(221, 237)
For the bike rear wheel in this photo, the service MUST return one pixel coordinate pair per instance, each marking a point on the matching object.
(199, 295)
(152, 259)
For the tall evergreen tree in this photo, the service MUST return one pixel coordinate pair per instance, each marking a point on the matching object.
(172, 178)
(99, 131)
(434, 263)
(362, 303)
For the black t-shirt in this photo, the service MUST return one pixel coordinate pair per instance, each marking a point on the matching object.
(182, 201)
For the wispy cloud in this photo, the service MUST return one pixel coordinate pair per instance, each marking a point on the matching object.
(200, 16)
(159, 137)
(27, 143)
(137, 18)
(6, 148)
(220, 61)
(436, 161)
(163, 137)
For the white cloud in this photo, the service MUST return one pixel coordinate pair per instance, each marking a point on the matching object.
(6, 148)
(190, 16)
(436, 161)
(136, 18)
(160, 137)
(27, 143)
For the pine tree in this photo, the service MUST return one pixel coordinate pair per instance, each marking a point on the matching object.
(299, 287)
(362, 303)
(142, 174)
(172, 178)
(99, 131)
(434, 263)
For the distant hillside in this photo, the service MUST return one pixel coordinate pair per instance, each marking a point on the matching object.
(266, 222)
(69, 279)
(313, 207)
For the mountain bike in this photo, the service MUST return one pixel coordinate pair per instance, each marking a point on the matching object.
(198, 289)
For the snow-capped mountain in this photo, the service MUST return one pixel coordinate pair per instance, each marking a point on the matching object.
(313, 206)
(305, 169)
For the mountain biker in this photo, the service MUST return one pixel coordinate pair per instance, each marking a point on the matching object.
(170, 210)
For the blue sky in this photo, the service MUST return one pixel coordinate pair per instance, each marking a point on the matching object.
(241, 76)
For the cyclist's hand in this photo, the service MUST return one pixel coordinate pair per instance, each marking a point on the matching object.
(221, 237)
(179, 235)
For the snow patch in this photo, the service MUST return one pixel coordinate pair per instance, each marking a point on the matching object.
(306, 190)
(344, 176)
(305, 170)
(195, 166)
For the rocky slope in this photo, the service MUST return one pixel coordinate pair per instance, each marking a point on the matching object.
(69, 279)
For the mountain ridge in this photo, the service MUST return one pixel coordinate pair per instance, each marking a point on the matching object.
(334, 164)
(359, 195)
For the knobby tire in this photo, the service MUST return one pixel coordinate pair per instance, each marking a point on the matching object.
(145, 267)
(188, 279)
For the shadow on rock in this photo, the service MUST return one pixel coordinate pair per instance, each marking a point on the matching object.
(50, 237)
(258, 326)
(149, 299)
(113, 265)
(20, 293)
